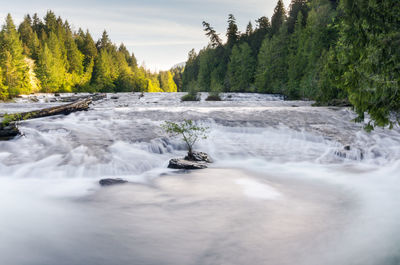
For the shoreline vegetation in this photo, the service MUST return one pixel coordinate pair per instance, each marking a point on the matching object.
(335, 52)
(47, 56)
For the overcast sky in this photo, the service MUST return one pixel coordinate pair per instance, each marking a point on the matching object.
(159, 32)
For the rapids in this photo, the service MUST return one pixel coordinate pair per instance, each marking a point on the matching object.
(291, 184)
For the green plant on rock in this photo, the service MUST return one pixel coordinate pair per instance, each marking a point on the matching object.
(188, 130)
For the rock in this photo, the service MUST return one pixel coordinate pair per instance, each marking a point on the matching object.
(114, 97)
(347, 148)
(57, 94)
(9, 131)
(199, 156)
(177, 163)
(110, 182)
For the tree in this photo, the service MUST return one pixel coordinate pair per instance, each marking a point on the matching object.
(215, 40)
(296, 7)
(271, 73)
(191, 70)
(241, 68)
(167, 83)
(50, 71)
(249, 29)
(12, 60)
(368, 49)
(232, 32)
(103, 75)
(188, 130)
(278, 18)
(3, 88)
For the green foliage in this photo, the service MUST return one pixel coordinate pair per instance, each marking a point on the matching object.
(241, 69)
(188, 130)
(193, 93)
(48, 56)
(15, 69)
(278, 18)
(271, 74)
(232, 32)
(10, 118)
(368, 51)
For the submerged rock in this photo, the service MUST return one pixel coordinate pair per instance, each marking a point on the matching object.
(110, 182)
(177, 163)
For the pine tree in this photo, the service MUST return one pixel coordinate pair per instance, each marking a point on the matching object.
(278, 18)
(12, 60)
(249, 29)
(215, 40)
(241, 69)
(232, 32)
(50, 70)
(296, 7)
(103, 75)
(87, 47)
(271, 73)
(191, 69)
(369, 52)
(3, 87)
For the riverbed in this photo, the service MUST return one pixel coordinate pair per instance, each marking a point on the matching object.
(290, 184)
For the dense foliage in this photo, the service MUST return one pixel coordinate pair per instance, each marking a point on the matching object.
(47, 56)
(326, 50)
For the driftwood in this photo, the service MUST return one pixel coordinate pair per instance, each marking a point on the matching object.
(9, 130)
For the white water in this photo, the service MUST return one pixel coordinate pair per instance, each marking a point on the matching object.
(283, 189)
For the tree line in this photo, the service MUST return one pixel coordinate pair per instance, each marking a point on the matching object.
(331, 51)
(47, 56)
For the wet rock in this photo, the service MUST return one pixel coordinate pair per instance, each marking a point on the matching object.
(110, 182)
(199, 156)
(57, 94)
(8, 132)
(347, 148)
(114, 97)
(177, 163)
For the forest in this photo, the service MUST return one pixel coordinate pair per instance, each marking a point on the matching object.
(337, 52)
(47, 56)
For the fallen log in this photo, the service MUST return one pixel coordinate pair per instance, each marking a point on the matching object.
(63, 109)
(9, 130)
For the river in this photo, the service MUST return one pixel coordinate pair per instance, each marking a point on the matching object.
(290, 184)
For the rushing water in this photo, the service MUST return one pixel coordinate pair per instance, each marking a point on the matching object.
(284, 188)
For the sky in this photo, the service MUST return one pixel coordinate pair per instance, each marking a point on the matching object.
(159, 32)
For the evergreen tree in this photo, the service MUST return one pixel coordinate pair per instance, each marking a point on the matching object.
(297, 59)
(232, 32)
(296, 7)
(241, 68)
(215, 40)
(103, 76)
(191, 69)
(3, 87)
(271, 73)
(278, 18)
(369, 52)
(50, 70)
(12, 61)
(249, 29)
